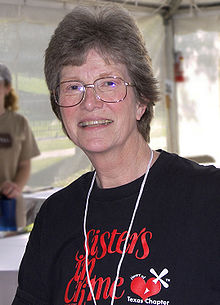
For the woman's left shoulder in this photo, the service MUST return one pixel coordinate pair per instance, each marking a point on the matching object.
(188, 167)
(204, 178)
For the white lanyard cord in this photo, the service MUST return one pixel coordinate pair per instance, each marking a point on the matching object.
(127, 237)
(85, 235)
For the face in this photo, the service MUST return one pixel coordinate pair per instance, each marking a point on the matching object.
(96, 126)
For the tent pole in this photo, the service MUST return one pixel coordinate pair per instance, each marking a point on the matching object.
(170, 94)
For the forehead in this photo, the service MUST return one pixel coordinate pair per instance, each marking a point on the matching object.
(93, 67)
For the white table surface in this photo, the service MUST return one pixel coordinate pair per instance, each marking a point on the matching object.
(11, 253)
(43, 194)
(12, 250)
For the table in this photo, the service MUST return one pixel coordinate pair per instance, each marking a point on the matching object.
(11, 253)
(12, 248)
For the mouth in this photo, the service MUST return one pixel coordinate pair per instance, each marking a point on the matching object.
(95, 123)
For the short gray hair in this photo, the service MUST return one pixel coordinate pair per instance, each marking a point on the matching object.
(113, 33)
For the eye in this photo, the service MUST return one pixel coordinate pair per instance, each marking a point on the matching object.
(73, 87)
(110, 84)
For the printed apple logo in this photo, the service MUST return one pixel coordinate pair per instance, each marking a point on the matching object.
(152, 287)
(145, 289)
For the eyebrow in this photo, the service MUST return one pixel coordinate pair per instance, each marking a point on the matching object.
(104, 74)
(108, 74)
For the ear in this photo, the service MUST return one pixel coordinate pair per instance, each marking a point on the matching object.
(140, 111)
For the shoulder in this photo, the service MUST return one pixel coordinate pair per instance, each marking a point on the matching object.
(183, 166)
(69, 196)
(63, 210)
(17, 118)
(194, 190)
(203, 179)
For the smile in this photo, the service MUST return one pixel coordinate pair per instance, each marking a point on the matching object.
(95, 123)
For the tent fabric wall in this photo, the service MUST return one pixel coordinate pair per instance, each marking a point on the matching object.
(153, 31)
(198, 39)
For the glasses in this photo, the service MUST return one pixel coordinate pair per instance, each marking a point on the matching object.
(112, 89)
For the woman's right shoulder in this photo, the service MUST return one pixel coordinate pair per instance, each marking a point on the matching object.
(64, 206)
(74, 192)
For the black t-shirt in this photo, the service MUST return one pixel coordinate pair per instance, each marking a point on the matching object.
(173, 251)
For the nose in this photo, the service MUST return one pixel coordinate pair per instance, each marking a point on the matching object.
(91, 101)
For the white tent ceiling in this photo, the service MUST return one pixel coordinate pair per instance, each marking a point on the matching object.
(166, 8)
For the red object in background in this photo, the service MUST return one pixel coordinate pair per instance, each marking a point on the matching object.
(178, 67)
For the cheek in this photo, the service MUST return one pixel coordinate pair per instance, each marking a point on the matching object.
(64, 116)
(67, 114)
(68, 117)
(127, 115)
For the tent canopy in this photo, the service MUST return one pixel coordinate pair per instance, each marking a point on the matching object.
(167, 8)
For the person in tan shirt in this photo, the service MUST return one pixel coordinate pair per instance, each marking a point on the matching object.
(17, 146)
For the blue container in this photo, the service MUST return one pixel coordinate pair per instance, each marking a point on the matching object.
(7, 214)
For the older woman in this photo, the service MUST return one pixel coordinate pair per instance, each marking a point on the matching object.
(17, 146)
(143, 226)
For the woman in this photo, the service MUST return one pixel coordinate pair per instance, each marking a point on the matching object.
(137, 229)
(17, 146)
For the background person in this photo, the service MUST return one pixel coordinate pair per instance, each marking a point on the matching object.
(144, 226)
(17, 146)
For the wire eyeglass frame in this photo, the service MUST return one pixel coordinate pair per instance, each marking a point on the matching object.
(85, 86)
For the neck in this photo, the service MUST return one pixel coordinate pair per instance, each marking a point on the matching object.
(122, 166)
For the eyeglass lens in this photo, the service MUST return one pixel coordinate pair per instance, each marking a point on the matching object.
(109, 89)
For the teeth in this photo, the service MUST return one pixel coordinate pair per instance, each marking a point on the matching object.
(95, 123)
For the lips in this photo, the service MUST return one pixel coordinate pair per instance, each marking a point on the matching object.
(95, 123)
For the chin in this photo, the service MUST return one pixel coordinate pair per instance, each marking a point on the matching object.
(95, 148)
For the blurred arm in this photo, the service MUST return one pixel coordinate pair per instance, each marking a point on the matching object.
(13, 189)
